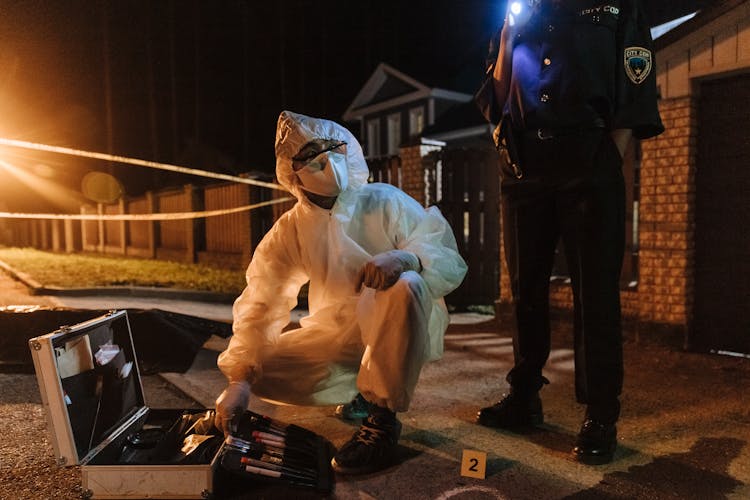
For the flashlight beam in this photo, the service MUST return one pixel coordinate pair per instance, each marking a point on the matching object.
(135, 161)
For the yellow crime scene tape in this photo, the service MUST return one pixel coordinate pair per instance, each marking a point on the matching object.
(136, 161)
(146, 217)
(142, 163)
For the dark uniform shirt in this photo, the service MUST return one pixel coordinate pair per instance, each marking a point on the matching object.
(583, 64)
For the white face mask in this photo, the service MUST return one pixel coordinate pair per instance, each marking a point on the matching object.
(326, 175)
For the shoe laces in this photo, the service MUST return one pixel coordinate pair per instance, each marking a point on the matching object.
(371, 432)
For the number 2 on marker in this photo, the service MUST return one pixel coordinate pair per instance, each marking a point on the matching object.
(474, 464)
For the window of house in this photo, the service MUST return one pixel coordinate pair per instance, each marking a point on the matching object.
(373, 138)
(394, 133)
(416, 121)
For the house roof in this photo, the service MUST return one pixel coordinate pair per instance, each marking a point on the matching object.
(459, 121)
(703, 17)
(388, 87)
(663, 28)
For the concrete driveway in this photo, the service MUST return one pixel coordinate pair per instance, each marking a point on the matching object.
(683, 434)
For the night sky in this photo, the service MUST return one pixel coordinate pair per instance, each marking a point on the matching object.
(200, 83)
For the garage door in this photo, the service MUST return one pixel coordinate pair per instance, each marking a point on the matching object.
(722, 253)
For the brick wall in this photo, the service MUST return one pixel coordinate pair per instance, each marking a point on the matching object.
(412, 169)
(667, 229)
(561, 297)
(412, 177)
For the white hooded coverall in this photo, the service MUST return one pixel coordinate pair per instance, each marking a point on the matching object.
(374, 342)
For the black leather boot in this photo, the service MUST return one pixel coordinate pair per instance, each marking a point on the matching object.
(596, 442)
(514, 410)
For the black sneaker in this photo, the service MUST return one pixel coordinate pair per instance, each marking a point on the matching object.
(357, 409)
(514, 410)
(370, 449)
(596, 443)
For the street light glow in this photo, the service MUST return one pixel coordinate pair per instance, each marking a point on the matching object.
(45, 188)
(135, 161)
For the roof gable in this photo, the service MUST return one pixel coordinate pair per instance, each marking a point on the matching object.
(392, 87)
(696, 22)
(388, 86)
(714, 42)
(384, 84)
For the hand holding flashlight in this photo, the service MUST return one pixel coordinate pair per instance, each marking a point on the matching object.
(520, 11)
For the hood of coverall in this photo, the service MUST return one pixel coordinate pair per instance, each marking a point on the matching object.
(294, 130)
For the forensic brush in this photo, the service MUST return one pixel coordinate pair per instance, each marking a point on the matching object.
(256, 449)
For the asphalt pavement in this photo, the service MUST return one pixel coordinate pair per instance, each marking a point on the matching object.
(683, 433)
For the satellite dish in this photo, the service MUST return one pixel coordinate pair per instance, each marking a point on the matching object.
(101, 187)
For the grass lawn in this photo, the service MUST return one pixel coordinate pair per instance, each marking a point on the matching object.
(80, 271)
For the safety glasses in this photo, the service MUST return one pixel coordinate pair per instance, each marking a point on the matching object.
(307, 156)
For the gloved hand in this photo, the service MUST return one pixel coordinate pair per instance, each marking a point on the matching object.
(384, 269)
(230, 403)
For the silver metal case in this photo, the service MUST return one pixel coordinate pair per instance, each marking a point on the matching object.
(87, 419)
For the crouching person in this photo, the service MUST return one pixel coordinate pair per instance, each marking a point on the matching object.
(378, 266)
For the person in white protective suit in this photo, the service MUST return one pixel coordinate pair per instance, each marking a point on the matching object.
(378, 266)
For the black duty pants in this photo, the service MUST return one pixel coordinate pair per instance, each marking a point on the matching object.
(572, 188)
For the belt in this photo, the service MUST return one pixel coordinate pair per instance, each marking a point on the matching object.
(545, 133)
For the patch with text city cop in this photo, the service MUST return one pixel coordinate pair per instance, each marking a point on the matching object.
(637, 64)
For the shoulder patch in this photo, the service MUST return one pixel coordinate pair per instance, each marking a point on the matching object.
(637, 64)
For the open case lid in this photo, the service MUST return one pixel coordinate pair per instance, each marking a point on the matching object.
(90, 384)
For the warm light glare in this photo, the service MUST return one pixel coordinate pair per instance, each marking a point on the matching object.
(515, 8)
(43, 170)
(71, 200)
(135, 161)
(45, 188)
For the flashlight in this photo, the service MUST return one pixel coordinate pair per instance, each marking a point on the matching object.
(520, 11)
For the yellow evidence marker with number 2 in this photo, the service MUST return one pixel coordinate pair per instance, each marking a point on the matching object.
(474, 464)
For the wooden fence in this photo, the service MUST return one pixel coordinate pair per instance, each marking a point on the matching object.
(469, 197)
(462, 182)
(386, 170)
(224, 240)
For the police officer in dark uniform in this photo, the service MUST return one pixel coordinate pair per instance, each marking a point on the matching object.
(572, 82)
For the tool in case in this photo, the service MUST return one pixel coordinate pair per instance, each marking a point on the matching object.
(97, 417)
